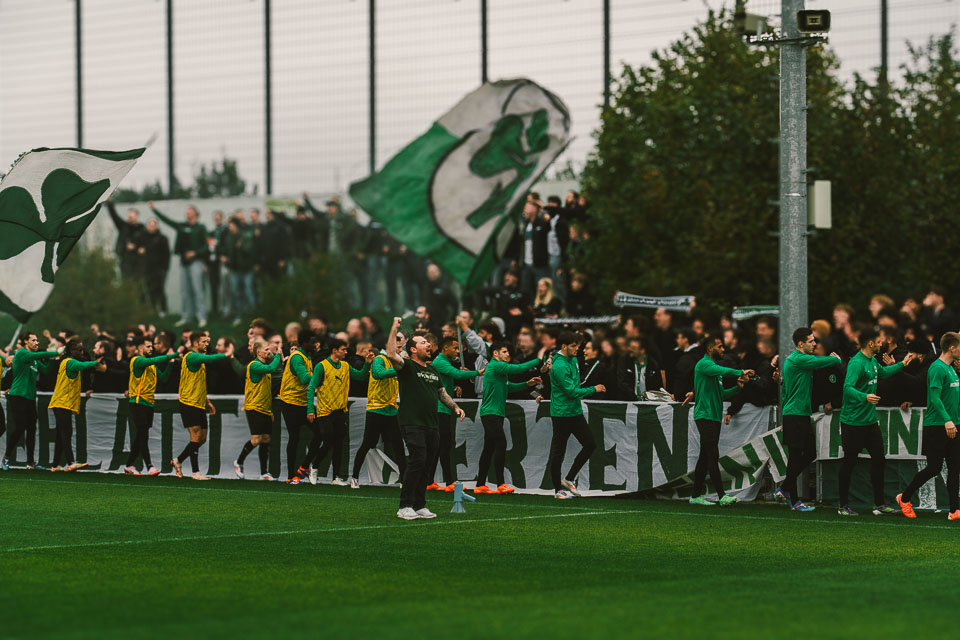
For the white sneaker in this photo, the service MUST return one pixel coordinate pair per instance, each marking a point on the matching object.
(340, 482)
(153, 471)
(407, 513)
(199, 476)
(563, 495)
(354, 484)
(238, 469)
(425, 513)
(572, 488)
(266, 476)
(130, 470)
(313, 476)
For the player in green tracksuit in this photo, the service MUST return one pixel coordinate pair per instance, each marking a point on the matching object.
(859, 425)
(940, 421)
(22, 397)
(566, 412)
(492, 413)
(449, 376)
(798, 435)
(709, 394)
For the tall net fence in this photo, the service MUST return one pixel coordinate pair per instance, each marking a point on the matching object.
(427, 54)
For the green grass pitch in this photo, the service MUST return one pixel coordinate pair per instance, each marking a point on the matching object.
(94, 555)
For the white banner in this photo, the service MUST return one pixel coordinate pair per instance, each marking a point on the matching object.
(641, 446)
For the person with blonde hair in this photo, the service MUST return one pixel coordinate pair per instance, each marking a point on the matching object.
(258, 405)
(546, 304)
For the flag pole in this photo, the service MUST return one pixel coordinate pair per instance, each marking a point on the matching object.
(16, 334)
(457, 322)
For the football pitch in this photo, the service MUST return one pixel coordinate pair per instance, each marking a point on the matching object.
(95, 555)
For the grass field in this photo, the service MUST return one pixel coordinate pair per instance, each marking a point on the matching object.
(94, 555)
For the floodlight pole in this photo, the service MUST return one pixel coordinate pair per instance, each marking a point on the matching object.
(793, 179)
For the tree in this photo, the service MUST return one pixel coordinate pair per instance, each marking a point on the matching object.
(686, 165)
(219, 180)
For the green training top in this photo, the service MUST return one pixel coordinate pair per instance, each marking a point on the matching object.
(259, 369)
(449, 375)
(25, 366)
(419, 386)
(943, 395)
(861, 380)
(565, 390)
(496, 386)
(708, 391)
(798, 371)
(193, 360)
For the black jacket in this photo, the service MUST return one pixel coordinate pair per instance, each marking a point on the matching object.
(627, 372)
(683, 372)
(539, 231)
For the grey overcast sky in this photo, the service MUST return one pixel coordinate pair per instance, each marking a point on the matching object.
(428, 56)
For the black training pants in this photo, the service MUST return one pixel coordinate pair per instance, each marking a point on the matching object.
(446, 423)
(854, 438)
(333, 428)
(709, 459)
(142, 421)
(799, 439)
(563, 428)
(422, 443)
(938, 448)
(494, 448)
(24, 414)
(294, 417)
(63, 446)
(378, 426)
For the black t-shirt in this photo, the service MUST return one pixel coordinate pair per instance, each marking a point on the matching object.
(419, 387)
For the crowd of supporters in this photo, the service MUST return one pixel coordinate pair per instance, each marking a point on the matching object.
(648, 355)
(225, 268)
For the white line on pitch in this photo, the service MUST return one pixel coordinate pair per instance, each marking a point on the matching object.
(434, 523)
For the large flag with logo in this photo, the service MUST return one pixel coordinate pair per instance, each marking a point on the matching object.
(47, 200)
(455, 194)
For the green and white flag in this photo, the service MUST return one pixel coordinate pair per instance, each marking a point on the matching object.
(47, 200)
(456, 193)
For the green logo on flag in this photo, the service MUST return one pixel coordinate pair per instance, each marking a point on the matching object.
(47, 201)
(455, 194)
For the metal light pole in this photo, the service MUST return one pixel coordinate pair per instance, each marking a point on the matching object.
(793, 179)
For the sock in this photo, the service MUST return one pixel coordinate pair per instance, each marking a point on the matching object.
(195, 457)
(264, 452)
(186, 453)
(247, 448)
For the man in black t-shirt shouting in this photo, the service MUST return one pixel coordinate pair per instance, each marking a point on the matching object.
(419, 387)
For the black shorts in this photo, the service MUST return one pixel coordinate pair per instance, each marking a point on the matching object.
(798, 432)
(260, 423)
(192, 416)
(936, 442)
